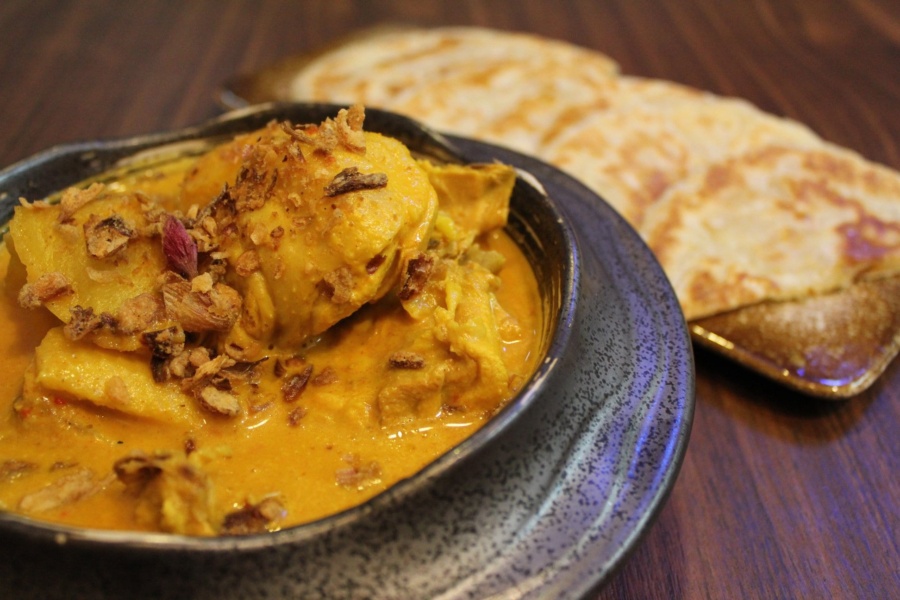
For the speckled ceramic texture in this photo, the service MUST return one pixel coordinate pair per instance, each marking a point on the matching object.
(545, 502)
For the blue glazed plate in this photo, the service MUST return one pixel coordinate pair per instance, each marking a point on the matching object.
(545, 501)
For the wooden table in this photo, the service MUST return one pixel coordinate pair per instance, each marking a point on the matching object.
(780, 496)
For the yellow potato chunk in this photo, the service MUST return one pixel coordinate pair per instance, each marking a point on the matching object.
(50, 242)
(119, 381)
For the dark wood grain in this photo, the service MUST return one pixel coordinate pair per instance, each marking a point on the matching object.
(780, 496)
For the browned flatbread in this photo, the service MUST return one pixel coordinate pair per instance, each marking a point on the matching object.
(776, 223)
(654, 134)
(500, 86)
(740, 206)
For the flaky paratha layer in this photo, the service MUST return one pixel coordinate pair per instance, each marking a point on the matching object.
(500, 86)
(776, 223)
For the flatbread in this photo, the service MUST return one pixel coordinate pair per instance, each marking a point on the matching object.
(776, 223)
(498, 86)
(654, 134)
(740, 206)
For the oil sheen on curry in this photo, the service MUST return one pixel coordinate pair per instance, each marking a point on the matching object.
(258, 336)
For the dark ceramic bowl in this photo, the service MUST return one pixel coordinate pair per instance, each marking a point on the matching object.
(544, 501)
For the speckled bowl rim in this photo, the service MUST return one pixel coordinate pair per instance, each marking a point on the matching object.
(96, 157)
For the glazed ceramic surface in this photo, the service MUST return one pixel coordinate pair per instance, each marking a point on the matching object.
(545, 501)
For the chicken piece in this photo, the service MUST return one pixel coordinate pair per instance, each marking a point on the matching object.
(475, 197)
(452, 358)
(318, 221)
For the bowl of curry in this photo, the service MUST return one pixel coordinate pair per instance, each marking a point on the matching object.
(307, 350)
(266, 327)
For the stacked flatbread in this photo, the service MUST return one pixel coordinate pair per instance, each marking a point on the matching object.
(738, 205)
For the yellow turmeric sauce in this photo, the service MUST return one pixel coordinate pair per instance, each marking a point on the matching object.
(345, 437)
